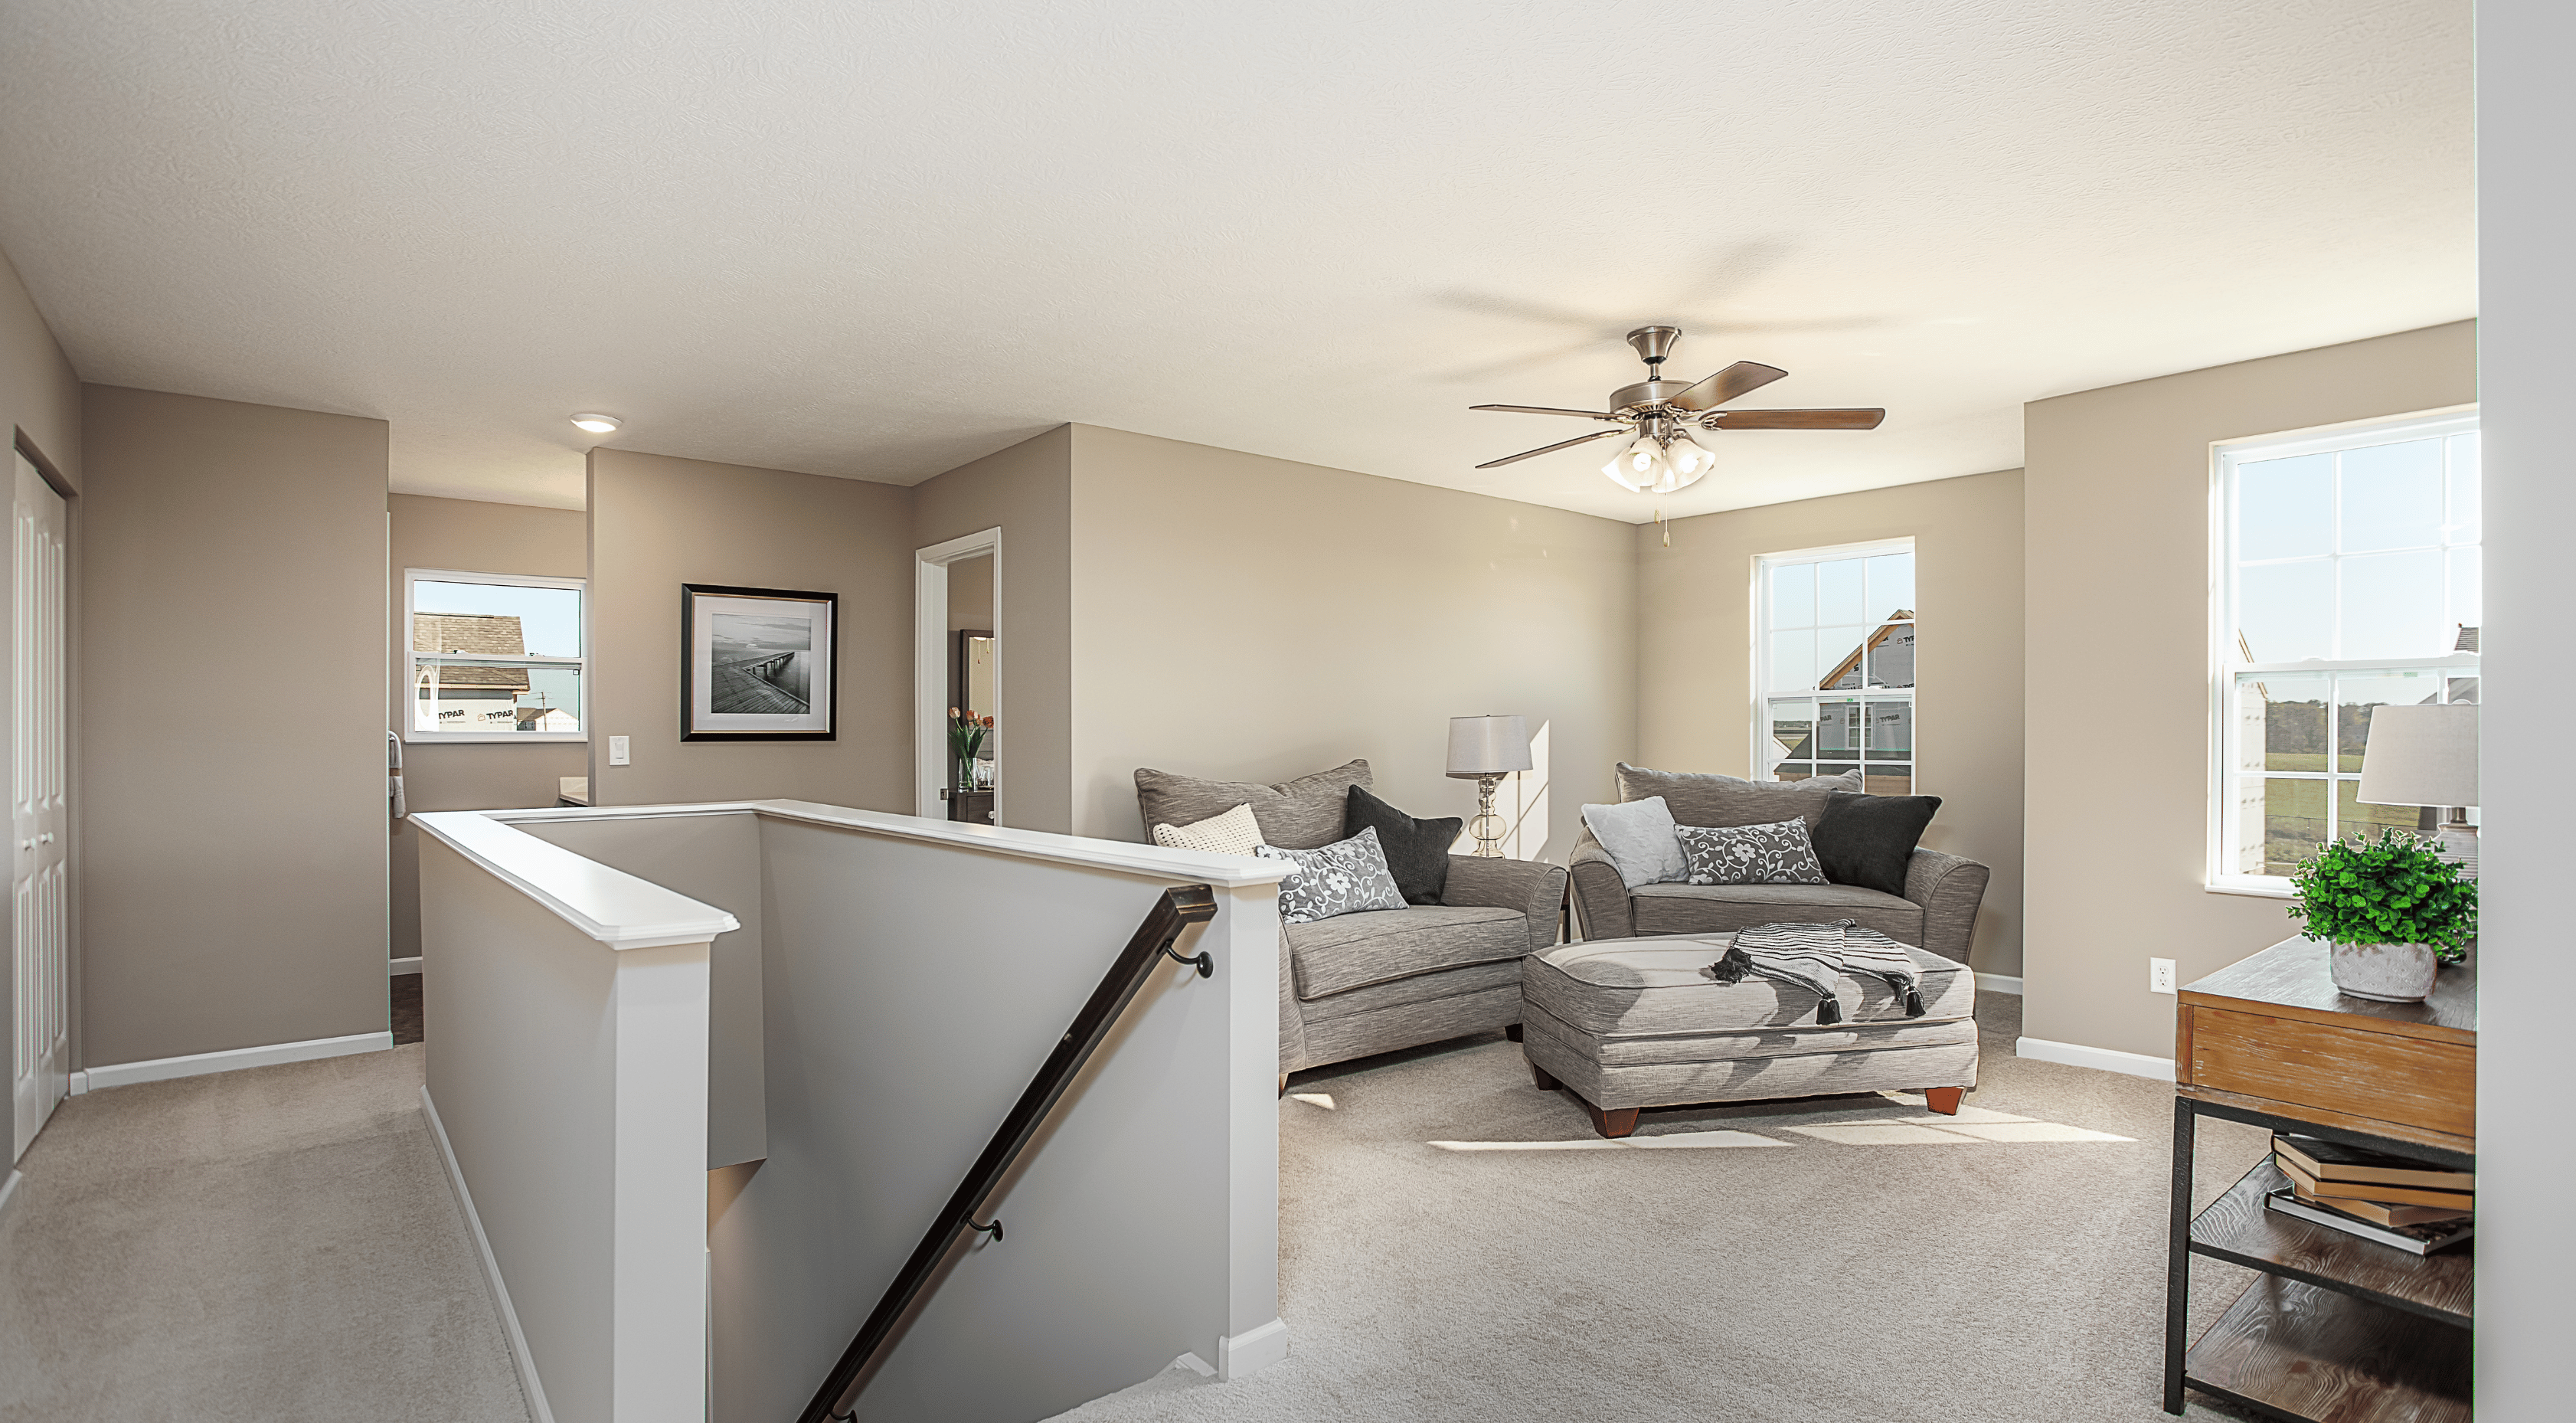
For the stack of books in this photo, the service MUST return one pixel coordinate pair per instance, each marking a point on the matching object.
(2394, 1200)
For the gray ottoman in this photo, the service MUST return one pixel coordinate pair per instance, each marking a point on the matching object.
(1630, 1023)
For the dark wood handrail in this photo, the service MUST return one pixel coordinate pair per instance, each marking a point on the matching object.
(1177, 909)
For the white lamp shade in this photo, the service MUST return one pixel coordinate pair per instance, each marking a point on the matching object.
(2421, 756)
(1488, 745)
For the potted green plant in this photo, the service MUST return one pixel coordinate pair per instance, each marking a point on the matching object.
(2392, 908)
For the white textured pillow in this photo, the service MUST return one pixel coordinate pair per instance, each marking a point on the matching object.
(1233, 833)
(1638, 837)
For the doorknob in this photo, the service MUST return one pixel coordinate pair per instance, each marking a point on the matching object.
(45, 839)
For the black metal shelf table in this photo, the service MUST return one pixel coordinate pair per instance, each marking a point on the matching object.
(2334, 1328)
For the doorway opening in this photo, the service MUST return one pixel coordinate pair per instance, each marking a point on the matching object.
(957, 680)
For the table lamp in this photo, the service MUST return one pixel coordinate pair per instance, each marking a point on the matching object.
(1485, 749)
(2427, 756)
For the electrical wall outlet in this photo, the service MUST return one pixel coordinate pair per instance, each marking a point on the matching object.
(617, 757)
(2160, 975)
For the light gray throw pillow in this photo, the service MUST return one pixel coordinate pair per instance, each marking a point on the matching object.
(1638, 837)
(1341, 878)
(1751, 854)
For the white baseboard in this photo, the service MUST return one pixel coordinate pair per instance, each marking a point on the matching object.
(198, 1064)
(526, 1362)
(2134, 1064)
(396, 968)
(1999, 983)
(1251, 1351)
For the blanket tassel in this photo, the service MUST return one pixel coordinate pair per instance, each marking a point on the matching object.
(1829, 1011)
(1913, 1001)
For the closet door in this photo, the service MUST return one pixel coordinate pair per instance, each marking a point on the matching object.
(39, 806)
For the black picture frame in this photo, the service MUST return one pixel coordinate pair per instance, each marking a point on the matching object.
(703, 723)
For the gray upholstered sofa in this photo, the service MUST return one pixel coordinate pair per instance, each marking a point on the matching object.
(1938, 910)
(1382, 979)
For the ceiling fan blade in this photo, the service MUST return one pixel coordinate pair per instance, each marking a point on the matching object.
(1548, 410)
(1550, 449)
(1742, 378)
(1796, 419)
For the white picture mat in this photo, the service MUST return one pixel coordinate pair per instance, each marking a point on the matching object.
(704, 609)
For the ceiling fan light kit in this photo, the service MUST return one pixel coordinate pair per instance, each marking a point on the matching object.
(1655, 413)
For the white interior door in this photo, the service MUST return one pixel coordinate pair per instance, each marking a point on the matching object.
(39, 805)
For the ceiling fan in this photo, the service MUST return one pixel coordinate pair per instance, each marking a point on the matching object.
(1661, 455)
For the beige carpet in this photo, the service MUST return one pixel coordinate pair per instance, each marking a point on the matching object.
(1896, 1273)
(281, 1244)
(266, 1245)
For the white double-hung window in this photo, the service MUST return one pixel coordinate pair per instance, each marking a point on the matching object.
(1834, 664)
(493, 657)
(2347, 573)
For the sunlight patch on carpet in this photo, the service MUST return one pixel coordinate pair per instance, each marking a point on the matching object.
(1883, 1134)
(2030, 1131)
(1320, 1099)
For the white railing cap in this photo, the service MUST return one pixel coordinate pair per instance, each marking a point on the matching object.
(609, 905)
(1186, 866)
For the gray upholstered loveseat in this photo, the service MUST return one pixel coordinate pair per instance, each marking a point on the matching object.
(1382, 979)
(1938, 910)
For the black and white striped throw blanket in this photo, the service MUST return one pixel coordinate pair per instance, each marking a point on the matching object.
(1812, 956)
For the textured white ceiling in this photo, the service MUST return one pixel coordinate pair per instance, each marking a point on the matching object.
(879, 240)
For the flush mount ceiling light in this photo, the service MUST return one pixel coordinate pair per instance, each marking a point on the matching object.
(1655, 414)
(596, 424)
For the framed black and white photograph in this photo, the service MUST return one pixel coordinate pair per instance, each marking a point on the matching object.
(757, 664)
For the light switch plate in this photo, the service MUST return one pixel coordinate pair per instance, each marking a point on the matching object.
(617, 757)
(2160, 975)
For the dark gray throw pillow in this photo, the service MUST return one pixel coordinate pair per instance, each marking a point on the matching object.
(1867, 840)
(1417, 851)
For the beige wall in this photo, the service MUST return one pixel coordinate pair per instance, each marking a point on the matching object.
(1026, 492)
(40, 398)
(970, 595)
(469, 536)
(657, 522)
(1695, 661)
(234, 863)
(2117, 501)
(1251, 618)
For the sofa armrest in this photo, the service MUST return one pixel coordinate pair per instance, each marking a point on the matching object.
(1526, 885)
(1600, 892)
(1292, 1019)
(1949, 888)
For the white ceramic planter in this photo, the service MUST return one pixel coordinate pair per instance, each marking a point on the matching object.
(2385, 973)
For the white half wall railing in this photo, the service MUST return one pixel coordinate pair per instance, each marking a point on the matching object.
(705, 1073)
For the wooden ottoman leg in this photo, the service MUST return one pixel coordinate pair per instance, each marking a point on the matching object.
(1545, 1082)
(1511, 1032)
(1613, 1125)
(1944, 1100)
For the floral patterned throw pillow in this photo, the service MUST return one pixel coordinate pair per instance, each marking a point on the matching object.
(1778, 853)
(1344, 877)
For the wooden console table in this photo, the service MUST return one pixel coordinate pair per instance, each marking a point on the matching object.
(2334, 1327)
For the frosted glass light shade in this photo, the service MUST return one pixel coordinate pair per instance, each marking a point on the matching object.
(1639, 467)
(2421, 756)
(1690, 460)
(1488, 745)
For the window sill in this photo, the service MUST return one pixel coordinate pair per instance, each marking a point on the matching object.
(493, 738)
(2251, 888)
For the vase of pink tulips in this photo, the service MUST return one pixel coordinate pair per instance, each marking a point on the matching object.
(966, 736)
